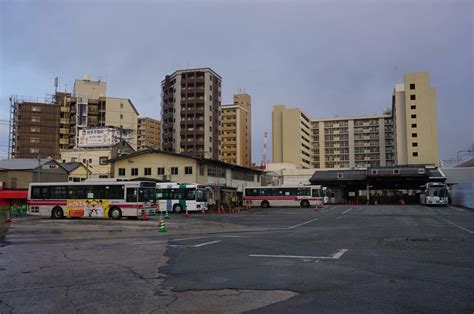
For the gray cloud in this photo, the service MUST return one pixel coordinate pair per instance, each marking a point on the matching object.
(329, 58)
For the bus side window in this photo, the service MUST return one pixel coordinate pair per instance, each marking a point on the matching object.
(131, 195)
(76, 192)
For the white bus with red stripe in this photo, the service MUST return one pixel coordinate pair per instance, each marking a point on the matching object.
(282, 196)
(104, 198)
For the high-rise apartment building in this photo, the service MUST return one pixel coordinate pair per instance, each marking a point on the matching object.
(34, 129)
(355, 142)
(149, 133)
(408, 135)
(414, 115)
(331, 142)
(190, 109)
(236, 131)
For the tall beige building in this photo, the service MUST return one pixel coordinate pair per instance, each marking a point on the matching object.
(414, 115)
(331, 142)
(190, 109)
(236, 131)
(149, 133)
(291, 137)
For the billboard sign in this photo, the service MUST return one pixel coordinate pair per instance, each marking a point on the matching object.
(103, 136)
(98, 137)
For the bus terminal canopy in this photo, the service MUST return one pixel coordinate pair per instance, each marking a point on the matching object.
(399, 177)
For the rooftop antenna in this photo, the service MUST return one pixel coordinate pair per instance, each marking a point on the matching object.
(263, 163)
(56, 84)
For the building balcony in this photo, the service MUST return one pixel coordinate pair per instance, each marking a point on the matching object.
(65, 109)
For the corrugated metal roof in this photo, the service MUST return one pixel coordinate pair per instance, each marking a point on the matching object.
(21, 163)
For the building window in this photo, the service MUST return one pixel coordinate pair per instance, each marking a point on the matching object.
(134, 171)
(414, 135)
(148, 171)
(413, 107)
(34, 129)
(103, 160)
(34, 140)
(12, 183)
(413, 116)
(90, 160)
(121, 105)
(34, 150)
(413, 125)
(121, 172)
(188, 170)
(161, 171)
(36, 109)
(412, 86)
(174, 171)
(412, 97)
(121, 116)
(201, 170)
(73, 159)
(35, 119)
(414, 144)
(415, 154)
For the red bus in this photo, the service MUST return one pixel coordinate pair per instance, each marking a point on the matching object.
(94, 199)
(302, 195)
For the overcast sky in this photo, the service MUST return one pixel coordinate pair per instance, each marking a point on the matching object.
(328, 58)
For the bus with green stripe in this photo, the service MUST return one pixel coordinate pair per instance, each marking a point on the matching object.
(179, 197)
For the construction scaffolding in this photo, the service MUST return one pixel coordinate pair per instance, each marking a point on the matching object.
(33, 124)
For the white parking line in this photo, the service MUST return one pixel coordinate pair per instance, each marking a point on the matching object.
(429, 208)
(340, 217)
(206, 243)
(460, 227)
(301, 224)
(335, 256)
(347, 211)
(338, 255)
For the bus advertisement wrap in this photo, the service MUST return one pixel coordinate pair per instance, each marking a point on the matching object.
(87, 208)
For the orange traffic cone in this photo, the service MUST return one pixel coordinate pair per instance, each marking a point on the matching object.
(8, 219)
(202, 211)
(161, 222)
(186, 214)
(144, 217)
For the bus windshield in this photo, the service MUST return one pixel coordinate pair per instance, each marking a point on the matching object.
(441, 192)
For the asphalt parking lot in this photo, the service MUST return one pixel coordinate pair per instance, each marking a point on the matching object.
(342, 258)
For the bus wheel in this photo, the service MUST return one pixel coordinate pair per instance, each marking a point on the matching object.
(265, 204)
(304, 203)
(177, 208)
(115, 213)
(57, 213)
